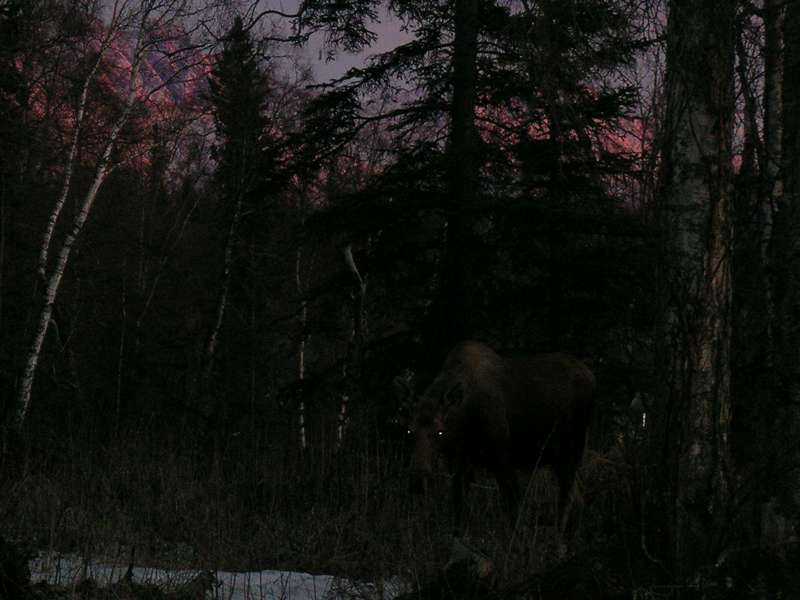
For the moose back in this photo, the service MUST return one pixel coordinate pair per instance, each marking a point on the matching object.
(502, 414)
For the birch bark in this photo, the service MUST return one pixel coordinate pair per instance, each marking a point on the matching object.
(53, 279)
(351, 371)
(695, 212)
(301, 350)
(69, 165)
(222, 301)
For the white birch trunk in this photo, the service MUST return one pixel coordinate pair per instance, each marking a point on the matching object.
(301, 351)
(121, 348)
(696, 222)
(352, 367)
(69, 168)
(213, 338)
(253, 331)
(50, 293)
(53, 280)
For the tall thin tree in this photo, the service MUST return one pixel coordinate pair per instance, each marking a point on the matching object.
(785, 428)
(695, 219)
(102, 169)
(238, 90)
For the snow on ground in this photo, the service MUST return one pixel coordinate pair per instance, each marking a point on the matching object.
(273, 585)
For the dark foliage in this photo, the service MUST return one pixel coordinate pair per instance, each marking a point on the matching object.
(547, 244)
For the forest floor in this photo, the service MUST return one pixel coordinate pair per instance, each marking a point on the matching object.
(203, 531)
(70, 576)
(469, 575)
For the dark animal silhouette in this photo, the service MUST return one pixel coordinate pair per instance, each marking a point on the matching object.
(502, 414)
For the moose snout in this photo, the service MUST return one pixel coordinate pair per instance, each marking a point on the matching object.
(418, 482)
(422, 461)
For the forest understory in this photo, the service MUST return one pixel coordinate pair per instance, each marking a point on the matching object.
(252, 505)
(562, 232)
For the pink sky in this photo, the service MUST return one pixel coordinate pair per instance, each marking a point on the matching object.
(388, 30)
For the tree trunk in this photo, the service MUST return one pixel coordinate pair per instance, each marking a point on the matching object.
(53, 280)
(351, 371)
(454, 307)
(69, 167)
(123, 328)
(774, 11)
(3, 230)
(254, 329)
(695, 213)
(463, 160)
(301, 351)
(222, 301)
(148, 290)
(772, 184)
(782, 524)
(751, 346)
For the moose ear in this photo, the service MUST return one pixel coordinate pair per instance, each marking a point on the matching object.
(454, 395)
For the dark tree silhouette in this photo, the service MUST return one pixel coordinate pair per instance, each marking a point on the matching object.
(238, 93)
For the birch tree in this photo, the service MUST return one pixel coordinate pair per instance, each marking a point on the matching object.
(759, 261)
(695, 219)
(302, 318)
(145, 23)
(72, 154)
(238, 88)
(351, 366)
(52, 277)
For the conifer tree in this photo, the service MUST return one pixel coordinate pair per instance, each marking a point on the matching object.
(498, 117)
(238, 91)
(245, 170)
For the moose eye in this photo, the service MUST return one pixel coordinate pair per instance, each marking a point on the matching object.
(409, 432)
(440, 433)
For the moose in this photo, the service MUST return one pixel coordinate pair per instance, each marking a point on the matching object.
(502, 414)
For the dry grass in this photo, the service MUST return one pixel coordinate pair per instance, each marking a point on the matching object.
(251, 507)
(259, 505)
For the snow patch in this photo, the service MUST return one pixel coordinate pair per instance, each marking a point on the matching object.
(262, 585)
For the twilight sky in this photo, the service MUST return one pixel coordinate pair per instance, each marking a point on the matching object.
(388, 31)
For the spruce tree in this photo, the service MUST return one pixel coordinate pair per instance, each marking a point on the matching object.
(238, 91)
(244, 176)
(496, 229)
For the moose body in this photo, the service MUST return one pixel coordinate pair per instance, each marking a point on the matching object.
(504, 414)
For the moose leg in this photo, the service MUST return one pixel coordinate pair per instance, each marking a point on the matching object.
(568, 485)
(462, 478)
(509, 492)
(566, 496)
